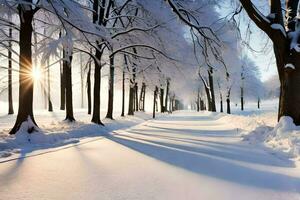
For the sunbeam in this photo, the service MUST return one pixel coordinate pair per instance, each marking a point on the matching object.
(36, 74)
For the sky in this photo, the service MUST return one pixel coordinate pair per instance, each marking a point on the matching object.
(258, 40)
(265, 61)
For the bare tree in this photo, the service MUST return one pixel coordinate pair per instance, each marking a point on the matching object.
(88, 87)
(111, 88)
(10, 99)
(26, 83)
(286, 50)
(154, 100)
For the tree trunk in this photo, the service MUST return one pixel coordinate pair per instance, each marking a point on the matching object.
(228, 105)
(167, 95)
(142, 97)
(100, 13)
(209, 103)
(198, 100)
(154, 101)
(69, 92)
(242, 98)
(207, 92)
(81, 81)
(212, 91)
(287, 58)
(62, 86)
(97, 87)
(26, 83)
(123, 93)
(258, 103)
(50, 107)
(162, 107)
(170, 105)
(88, 82)
(10, 99)
(221, 103)
(202, 105)
(131, 101)
(289, 95)
(111, 89)
(136, 97)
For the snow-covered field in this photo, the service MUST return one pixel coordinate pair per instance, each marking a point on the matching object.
(186, 155)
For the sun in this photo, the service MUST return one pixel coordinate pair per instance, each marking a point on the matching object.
(36, 74)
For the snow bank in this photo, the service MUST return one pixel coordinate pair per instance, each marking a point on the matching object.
(279, 27)
(283, 138)
(248, 123)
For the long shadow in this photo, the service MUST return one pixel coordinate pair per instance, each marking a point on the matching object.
(182, 138)
(194, 140)
(194, 131)
(189, 118)
(191, 132)
(185, 124)
(11, 172)
(217, 150)
(44, 141)
(210, 166)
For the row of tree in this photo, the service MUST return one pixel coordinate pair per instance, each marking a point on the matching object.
(159, 46)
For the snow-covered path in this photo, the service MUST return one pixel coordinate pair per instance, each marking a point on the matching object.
(182, 156)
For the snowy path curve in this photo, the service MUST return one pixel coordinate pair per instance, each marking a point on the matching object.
(186, 155)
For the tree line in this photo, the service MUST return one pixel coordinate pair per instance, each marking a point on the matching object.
(150, 44)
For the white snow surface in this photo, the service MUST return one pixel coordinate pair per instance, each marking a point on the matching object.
(279, 27)
(290, 65)
(283, 139)
(186, 155)
(55, 132)
(294, 40)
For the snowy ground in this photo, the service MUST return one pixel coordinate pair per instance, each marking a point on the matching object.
(55, 132)
(186, 155)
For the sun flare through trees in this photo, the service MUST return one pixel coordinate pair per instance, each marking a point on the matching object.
(208, 88)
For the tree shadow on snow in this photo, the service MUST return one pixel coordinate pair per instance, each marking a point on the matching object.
(214, 160)
(189, 118)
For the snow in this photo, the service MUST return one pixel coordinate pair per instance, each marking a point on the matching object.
(279, 27)
(289, 65)
(260, 15)
(54, 132)
(186, 155)
(271, 16)
(283, 139)
(294, 40)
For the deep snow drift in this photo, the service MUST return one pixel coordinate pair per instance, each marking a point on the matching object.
(283, 138)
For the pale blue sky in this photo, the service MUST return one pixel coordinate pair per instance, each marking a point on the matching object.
(265, 61)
